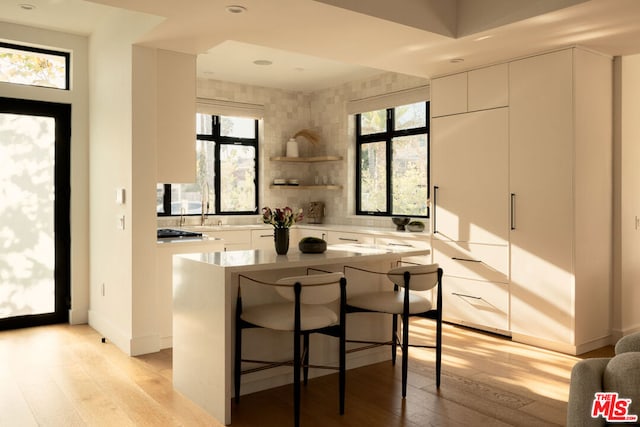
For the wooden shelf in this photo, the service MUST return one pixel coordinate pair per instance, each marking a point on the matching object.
(307, 159)
(307, 187)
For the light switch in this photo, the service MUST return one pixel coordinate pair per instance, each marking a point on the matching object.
(120, 196)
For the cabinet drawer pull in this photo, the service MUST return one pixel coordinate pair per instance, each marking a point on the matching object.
(266, 235)
(347, 239)
(465, 296)
(435, 208)
(404, 245)
(465, 259)
(513, 211)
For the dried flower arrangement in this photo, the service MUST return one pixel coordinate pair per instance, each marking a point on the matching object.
(309, 135)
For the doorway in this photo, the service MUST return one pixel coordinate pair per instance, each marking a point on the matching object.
(35, 147)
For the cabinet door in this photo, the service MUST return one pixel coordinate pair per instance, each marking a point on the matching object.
(476, 303)
(176, 111)
(449, 95)
(488, 87)
(262, 239)
(470, 170)
(541, 151)
(342, 237)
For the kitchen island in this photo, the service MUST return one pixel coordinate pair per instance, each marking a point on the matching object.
(205, 287)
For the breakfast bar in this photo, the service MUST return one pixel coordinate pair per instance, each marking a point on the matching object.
(205, 287)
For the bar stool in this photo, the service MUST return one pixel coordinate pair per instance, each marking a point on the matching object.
(399, 302)
(303, 311)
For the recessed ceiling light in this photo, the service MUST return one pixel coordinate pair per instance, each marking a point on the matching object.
(262, 62)
(235, 8)
(456, 60)
(26, 6)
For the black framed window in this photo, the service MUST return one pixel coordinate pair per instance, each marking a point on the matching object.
(227, 171)
(392, 161)
(34, 66)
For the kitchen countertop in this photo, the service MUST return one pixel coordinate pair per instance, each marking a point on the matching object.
(260, 259)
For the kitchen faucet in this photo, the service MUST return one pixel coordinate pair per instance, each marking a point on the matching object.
(182, 219)
(204, 207)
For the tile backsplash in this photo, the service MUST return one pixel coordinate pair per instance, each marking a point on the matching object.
(323, 111)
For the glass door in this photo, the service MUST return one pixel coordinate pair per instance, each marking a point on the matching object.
(34, 212)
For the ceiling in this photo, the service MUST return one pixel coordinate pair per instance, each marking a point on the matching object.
(314, 44)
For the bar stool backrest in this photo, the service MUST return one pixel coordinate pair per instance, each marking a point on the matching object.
(316, 288)
(422, 277)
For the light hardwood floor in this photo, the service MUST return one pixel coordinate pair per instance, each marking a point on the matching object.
(64, 376)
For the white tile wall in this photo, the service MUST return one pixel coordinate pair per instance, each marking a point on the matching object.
(323, 111)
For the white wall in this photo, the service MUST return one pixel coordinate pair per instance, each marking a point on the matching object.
(115, 311)
(78, 97)
(627, 178)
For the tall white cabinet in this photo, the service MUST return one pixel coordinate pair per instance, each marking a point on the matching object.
(522, 214)
(560, 138)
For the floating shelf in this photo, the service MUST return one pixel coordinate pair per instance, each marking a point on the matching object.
(307, 159)
(307, 187)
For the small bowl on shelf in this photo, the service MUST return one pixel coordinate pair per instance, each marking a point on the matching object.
(400, 222)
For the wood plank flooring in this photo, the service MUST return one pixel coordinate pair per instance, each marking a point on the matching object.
(63, 375)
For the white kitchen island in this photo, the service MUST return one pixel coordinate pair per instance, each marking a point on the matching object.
(205, 287)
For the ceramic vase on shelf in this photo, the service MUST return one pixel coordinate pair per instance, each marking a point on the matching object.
(281, 240)
(292, 148)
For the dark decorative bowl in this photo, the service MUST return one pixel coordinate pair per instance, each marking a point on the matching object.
(415, 226)
(400, 222)
(312, 247)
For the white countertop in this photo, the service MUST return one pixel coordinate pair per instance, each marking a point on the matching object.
(267, 259)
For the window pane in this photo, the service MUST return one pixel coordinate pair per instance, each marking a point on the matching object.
(159, 198)
(411, 116)
(185, 199)
(373, 122)
(373, 178)
(409, 175)
(33, 68)
(205, 171)
(237, 178)
(188, 198)
(237, 127)
(203, 124)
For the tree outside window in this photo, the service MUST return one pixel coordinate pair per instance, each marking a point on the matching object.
(227, 153)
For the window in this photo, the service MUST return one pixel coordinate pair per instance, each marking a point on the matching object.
(34, 66)
(392, 159)
(227, 165)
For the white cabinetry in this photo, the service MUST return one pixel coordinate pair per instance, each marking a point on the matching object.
(470, 154)
(298, 233)
(470, 175)
(561, 178)
(522, 204)
(344, 237)
(176, 108)
(474, 90)
(233, 240)
(262, 239)
(410, 241)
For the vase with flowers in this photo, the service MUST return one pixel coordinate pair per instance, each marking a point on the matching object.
(281, 219)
